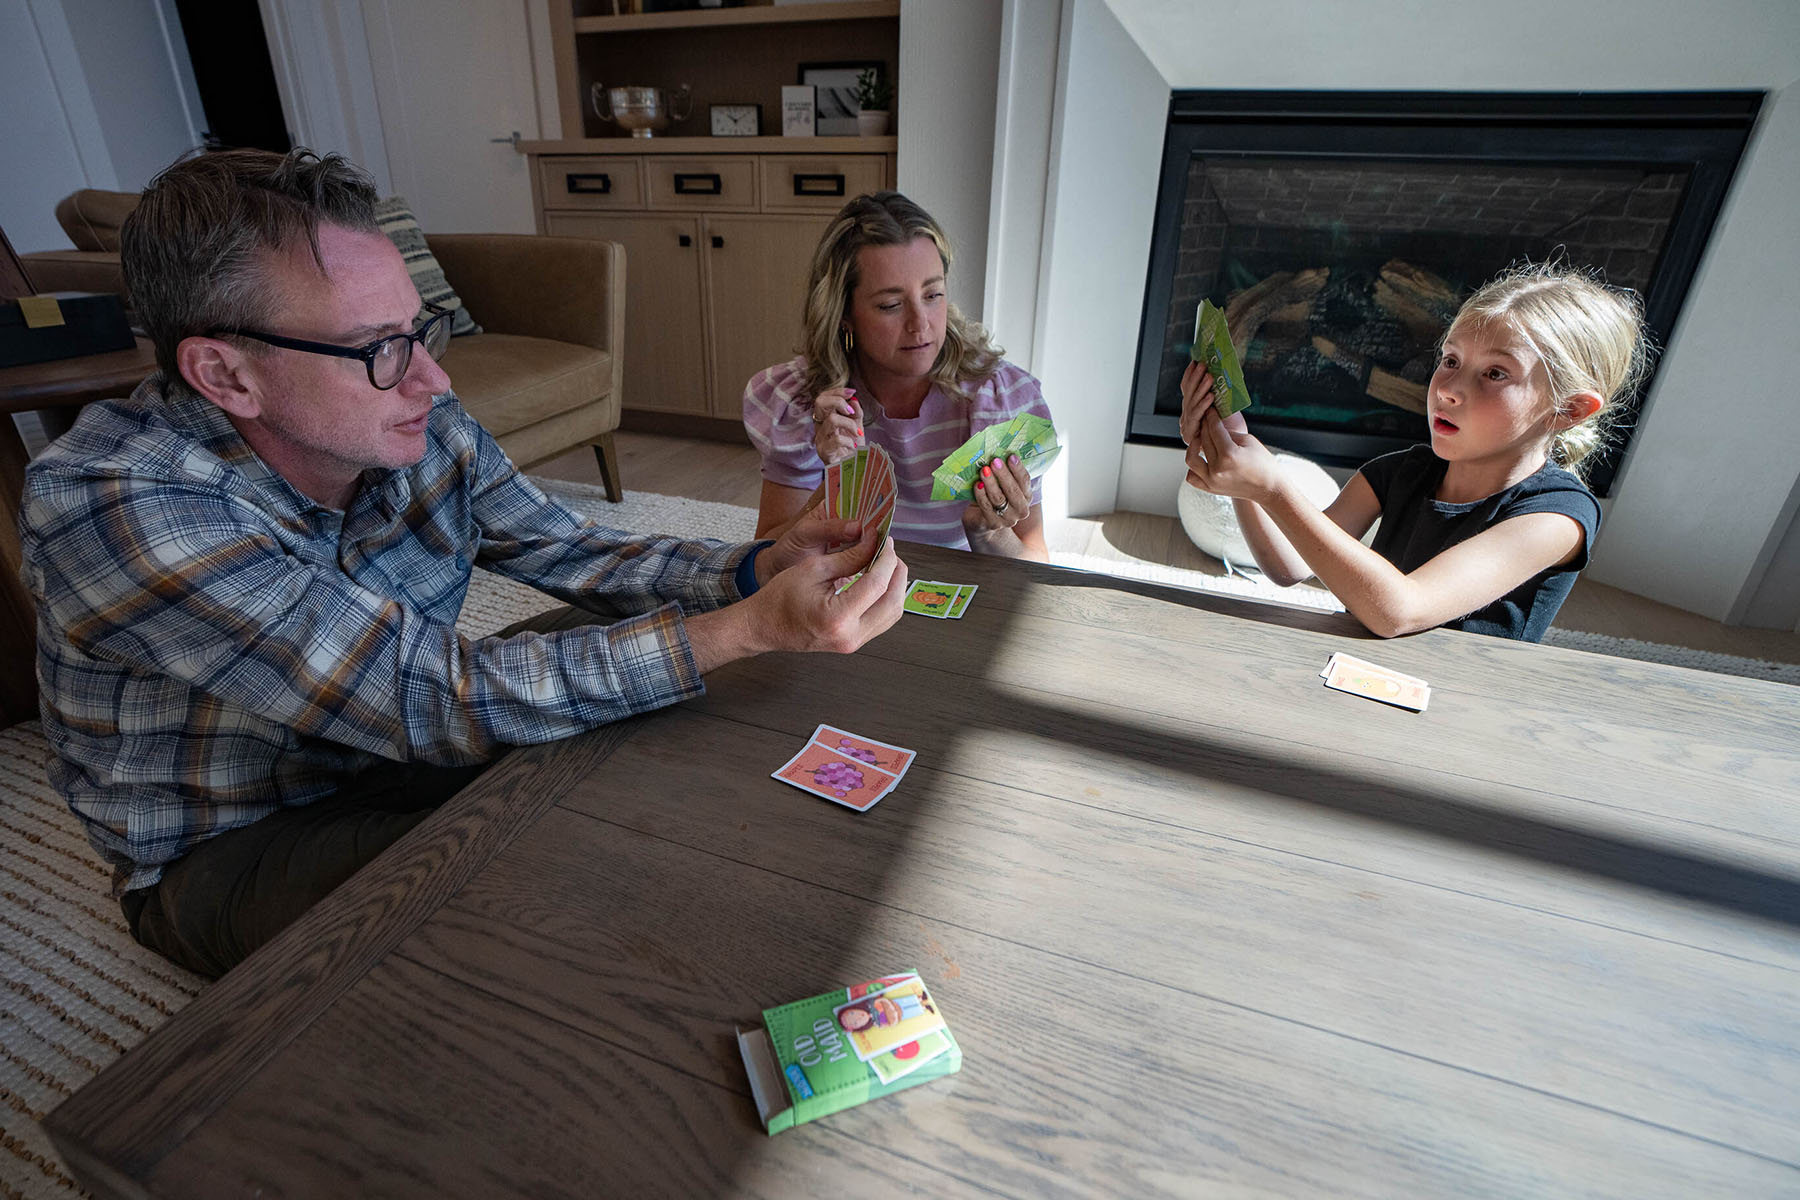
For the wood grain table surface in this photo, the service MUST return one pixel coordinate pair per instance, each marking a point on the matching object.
(1201, 925)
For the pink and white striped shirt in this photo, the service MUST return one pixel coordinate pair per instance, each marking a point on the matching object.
(778, 416)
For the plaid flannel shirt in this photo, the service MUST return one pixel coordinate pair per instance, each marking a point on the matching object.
(213, 645)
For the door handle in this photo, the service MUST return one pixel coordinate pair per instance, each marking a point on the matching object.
(718, 242)
(818, 185)
(698, 184)
(686, 240)
(579, 184)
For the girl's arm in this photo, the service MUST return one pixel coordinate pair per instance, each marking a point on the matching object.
(1354, 510)
(1455, 582)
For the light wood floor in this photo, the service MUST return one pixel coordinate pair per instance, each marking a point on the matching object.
(703, 469)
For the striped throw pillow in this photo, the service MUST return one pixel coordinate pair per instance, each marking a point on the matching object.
(396, 219)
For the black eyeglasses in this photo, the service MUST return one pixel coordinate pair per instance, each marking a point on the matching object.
(386, 359)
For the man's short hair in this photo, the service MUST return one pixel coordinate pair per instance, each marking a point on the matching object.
(195, 251)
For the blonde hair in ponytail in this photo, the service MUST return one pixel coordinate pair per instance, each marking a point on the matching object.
(1589, 334)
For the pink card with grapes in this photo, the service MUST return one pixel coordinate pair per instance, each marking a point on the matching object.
(845, 768)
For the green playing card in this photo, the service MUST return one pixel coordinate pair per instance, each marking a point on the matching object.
(930, 599)
(1028, 435)
(1212, 346)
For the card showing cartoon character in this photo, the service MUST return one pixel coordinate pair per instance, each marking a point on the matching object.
(904, 1059)
(930, 599)
(869, 987)
(960, 605)
(889, 1019)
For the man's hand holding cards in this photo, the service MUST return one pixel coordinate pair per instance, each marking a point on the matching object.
(862, 488)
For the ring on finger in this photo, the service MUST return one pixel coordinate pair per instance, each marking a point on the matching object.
(1000, 508)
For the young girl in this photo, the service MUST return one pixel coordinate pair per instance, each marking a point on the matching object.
(889, 361)
(1486, 527)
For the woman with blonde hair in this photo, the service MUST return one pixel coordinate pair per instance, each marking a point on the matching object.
(887, 360)
(1485, 527)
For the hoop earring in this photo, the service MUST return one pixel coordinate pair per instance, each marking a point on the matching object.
(849, 340)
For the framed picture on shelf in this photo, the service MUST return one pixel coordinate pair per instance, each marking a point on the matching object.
(836, 84)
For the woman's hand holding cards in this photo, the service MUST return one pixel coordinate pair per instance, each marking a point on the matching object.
(1002, 496)
(837, 425)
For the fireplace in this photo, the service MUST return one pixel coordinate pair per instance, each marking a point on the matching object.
(1340, 232)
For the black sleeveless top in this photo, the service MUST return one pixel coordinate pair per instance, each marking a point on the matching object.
(1415, 528)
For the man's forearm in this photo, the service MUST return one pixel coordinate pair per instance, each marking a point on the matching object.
(724, 636)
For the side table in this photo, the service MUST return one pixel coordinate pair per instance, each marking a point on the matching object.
(66, 383)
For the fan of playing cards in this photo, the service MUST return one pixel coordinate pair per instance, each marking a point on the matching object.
(861, 488)
(1027, 435)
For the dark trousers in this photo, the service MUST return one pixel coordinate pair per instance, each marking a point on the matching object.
(233, 892)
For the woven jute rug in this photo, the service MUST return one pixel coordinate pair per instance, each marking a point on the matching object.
(79, 991)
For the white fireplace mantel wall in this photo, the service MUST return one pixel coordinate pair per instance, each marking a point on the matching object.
(1707, 495)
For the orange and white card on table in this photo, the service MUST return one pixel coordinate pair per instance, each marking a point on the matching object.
(1346, 673)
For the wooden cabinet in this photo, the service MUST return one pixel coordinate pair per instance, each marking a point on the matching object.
(756, 286)
(665, 367)
(718, 232)
(714, 284)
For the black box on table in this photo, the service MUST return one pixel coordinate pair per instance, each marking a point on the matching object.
(90, 323)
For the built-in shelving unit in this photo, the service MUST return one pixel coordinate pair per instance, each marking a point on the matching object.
(761, 14)
(718, 231)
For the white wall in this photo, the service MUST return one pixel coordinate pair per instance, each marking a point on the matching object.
(948, 52)
(1096, 245)
(1025, 107)
(1701, 505)
(97, 93)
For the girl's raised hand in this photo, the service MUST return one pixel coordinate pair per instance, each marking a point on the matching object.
(1228, 461)
(837, 425)
(1197, 398)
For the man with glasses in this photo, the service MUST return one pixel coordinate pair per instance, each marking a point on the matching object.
(248, 574)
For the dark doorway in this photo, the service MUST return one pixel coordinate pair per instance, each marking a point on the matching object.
(230, 53)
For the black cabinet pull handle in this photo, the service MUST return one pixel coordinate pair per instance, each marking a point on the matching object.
(718, 242)
(698, 184)
(686, 240)
(818, 185)
(580, 184)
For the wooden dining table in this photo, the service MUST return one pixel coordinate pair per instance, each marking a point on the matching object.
(1201, 925)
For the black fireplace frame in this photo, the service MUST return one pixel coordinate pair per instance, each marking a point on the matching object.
(1701, 133)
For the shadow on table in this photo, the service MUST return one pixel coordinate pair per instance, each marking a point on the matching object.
(1618, 857)
(1185, 748)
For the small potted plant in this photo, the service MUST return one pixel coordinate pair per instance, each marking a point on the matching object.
(873, 95)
